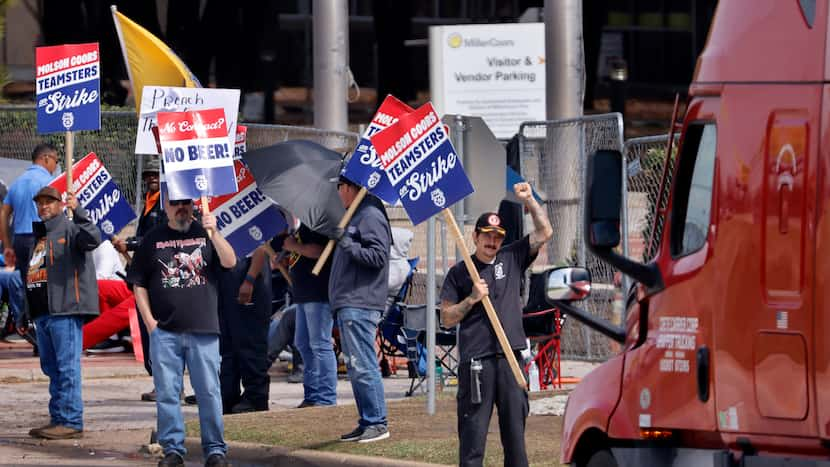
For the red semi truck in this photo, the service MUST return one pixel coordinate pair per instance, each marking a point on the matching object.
(725, 355)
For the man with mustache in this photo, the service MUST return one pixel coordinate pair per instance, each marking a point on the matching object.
(501, 269)
(175, 272)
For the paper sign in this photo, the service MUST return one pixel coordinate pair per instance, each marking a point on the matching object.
(197, 158)
(364, 167)
(422, 164)
(156, 99)
(67, 88)
(98, 194)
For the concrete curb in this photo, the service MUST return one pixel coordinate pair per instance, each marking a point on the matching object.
(35, 375)
(263, 454)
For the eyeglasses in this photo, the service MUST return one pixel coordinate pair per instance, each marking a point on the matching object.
(180, 202)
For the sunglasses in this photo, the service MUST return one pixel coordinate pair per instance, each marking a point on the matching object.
(180, 202)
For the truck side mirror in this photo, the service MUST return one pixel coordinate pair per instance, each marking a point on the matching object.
(604, 201)
(567, 284)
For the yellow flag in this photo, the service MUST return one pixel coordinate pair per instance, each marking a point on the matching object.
(149, 61)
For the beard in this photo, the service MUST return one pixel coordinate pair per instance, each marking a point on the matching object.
(181, 221)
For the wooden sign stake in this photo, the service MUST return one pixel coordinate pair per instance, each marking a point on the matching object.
(324, 256)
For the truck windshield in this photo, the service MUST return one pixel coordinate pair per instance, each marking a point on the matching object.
(693, 190)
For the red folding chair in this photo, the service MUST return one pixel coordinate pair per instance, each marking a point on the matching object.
(543, 328)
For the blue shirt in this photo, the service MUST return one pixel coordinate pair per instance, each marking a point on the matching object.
(20, 198)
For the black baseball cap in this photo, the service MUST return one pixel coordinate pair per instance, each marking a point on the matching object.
(490, 222)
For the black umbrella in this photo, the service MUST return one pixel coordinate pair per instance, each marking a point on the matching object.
(300, 176)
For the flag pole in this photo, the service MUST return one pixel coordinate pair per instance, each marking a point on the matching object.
(488, 305)
(114, 10)
(324, 256)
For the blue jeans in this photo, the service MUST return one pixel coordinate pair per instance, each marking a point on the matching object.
(60, 339)
(170, 352)
(358, 329)
(312, 338)
(11, 281)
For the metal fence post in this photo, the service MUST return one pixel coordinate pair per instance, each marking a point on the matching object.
(430, 311)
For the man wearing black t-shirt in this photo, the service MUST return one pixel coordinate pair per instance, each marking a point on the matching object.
(501, 269)
(175, 272)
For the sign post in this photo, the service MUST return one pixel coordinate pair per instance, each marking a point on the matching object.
(427, 174)
(364, 168)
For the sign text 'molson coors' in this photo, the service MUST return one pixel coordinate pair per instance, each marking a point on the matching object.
(364, 167)
(197, 157)
(422, 164)
(98, 194)
(67, 88)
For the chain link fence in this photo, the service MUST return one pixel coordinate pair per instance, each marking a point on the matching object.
(646, 158)
(553, 155)
(114, 144)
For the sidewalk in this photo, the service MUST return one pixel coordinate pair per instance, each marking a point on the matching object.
(117, 423)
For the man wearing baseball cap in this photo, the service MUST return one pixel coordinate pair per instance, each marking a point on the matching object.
(484, 376)
(62, 291)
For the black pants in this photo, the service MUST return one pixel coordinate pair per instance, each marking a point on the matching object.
(497, 386)
(244, 339)
(23, 244)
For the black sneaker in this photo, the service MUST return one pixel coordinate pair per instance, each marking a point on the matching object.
(190, 400)
(107, 346)
(245, 406)
(216, 460)
(171, 459)
(354, 435)
(374, 433)
(305, 404)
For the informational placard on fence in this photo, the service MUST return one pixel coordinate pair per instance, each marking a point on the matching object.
(493, 71)
(246, 218)
(157, 99)
(422, 164)
(67, 87)
(196, 153)
(97, 193)
(364, 167)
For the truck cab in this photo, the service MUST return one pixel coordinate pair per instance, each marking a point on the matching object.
(725, 355)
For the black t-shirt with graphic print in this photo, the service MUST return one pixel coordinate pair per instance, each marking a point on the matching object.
(37, 281)
(476, 337)
(180, 272)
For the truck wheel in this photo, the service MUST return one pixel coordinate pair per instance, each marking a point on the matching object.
(602, 458)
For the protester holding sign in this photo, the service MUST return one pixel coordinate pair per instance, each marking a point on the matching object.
(152, 214)
(175, 276)
(358, 288)
(484, 376)
(61, 291)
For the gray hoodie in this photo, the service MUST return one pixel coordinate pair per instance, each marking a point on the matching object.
(73, 288)
(360, 267)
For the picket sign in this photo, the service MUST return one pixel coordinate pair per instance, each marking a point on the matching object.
(364, 168)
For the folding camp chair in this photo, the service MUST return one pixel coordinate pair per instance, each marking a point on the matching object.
(445, 343)
(543, 325)
(543, 329)
(392, 342)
